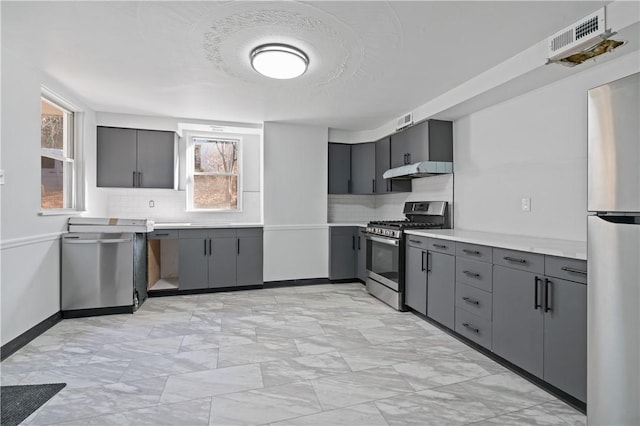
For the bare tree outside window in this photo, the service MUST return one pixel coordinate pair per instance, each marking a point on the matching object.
(56, 158)
(215, 174)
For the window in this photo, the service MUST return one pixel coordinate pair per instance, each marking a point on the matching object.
(56, 156)
(215, 174)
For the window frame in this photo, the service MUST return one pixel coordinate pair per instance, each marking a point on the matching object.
(190, 180)
(71, 154)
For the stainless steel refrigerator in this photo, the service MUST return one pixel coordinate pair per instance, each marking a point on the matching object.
(613, 240)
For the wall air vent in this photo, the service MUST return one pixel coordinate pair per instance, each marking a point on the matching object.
(582, 34)
(404, 121)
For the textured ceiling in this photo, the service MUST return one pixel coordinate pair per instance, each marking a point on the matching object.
(369, 61)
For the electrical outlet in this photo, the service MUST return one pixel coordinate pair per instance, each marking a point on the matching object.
(152, 203)
(1, 177)
(526, 204)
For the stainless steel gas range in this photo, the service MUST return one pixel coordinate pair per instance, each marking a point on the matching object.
(386, 247)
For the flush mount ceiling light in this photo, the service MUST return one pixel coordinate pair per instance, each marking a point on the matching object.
(279, 61)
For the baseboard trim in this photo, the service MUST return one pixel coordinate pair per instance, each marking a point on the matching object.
(81, 313)
(14, 345)
(164, 293)
(560, 394)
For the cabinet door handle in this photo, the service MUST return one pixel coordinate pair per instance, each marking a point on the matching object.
(471, 274)
(473, 252)
(547, 289)
(422, 261)
(428, 262)
(205, 247)
(238, 243)
(514, 259)
(536, 302)
(408, 158)
(573, 270)
(210, 251)
(471, 301)
(358, 242)
(467, 325)
(161, 235)
(416, 241)
(440, 246)
(373, 185)
(134, 180)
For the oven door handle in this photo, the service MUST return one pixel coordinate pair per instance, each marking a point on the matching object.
(387, 241)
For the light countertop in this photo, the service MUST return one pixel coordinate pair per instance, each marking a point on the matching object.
(188, 225)
(362, 225)
(549, 246)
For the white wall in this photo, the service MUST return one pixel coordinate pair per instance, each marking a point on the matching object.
(534, 145)
(30, 283)
(295, 202)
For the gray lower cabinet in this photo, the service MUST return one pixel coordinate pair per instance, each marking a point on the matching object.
(339, 168)
(441, 272)
(342, 252)
(220, 258)
(133, 158)
(415, 288)
(565, 336)
(518, 318)
(362, 254)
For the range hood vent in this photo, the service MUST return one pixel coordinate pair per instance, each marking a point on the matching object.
(418, 170)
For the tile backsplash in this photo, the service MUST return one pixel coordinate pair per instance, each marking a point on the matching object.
(363, 208)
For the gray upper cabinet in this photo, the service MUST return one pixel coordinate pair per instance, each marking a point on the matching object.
(441, 272)
(339, 168)
(518, 318)
(132, 158)
(342, 252)
(383, 163)
(410, 145)
(116, 154)
(363, 168)
(156, 159)
(415, 295)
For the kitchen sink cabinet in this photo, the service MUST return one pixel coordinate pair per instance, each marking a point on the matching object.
(220, 258)
(342, 252)
(133, 158)
(339, 168)
(363, 168)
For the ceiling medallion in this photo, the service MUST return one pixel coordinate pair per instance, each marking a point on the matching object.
(279, 61)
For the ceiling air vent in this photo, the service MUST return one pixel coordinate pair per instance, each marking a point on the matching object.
(404, 121)
(585, 33)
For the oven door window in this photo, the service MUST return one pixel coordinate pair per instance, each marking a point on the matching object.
(383, 262)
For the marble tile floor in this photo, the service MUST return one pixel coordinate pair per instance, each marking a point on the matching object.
(312, 355)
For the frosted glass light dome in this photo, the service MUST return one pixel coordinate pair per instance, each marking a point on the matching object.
(279, 61)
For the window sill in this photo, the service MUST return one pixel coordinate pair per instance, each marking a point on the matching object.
(61, 212)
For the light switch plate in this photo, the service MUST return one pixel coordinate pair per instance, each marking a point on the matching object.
(526, 204)
(1, 177)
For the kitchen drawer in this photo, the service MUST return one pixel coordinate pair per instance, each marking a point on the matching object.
(473, 327)
(441, 246)
(222, 233)
(525, 261)
(474, 273)
(474, 300)
(193, 233)
(568, 269)
(163, 234)
(474, 251)
(416, 241)
(249, 232)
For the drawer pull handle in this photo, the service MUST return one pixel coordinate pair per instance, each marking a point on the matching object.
(471, 274)
(473, 252)
(514, 259)
(573, 270)
(416, 241)
(161, 235)
(440, 246)
(468, 300)
(467, 325)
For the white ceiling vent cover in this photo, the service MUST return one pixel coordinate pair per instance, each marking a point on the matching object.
(404, 121)
(576, 37)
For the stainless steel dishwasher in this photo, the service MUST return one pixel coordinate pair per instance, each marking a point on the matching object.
(97, 271)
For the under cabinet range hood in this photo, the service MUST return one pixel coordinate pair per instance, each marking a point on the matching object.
(418, 170)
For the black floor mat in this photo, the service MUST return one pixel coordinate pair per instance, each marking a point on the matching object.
(19, 402)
